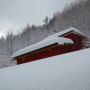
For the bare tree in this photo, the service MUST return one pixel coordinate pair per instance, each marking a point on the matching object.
(9, 43)
(46, 20)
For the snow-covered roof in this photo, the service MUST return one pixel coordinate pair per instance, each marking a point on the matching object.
(42, 44)
(71, 29)
(69, 71)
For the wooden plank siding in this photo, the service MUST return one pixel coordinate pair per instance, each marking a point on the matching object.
(45, 52)
(54, 49)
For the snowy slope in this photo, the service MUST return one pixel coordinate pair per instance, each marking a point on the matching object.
(64, 72)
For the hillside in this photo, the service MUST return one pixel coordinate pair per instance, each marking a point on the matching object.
(64, 72)
(76, 15)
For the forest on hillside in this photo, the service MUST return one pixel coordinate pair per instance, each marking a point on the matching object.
(76, 15)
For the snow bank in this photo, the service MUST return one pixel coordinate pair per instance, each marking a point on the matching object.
(42, 44)
(65, 31)
(64, 72)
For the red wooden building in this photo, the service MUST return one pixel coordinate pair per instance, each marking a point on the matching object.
(59, 43)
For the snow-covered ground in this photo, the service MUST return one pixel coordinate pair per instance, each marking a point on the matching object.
(64, 72)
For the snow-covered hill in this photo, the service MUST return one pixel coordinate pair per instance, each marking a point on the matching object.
(64, 72)
(76, 15)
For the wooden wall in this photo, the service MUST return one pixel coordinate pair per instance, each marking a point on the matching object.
(53, 49)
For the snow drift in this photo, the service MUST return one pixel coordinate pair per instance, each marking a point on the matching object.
(64, 72)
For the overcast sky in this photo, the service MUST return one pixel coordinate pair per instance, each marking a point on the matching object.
(15, 14)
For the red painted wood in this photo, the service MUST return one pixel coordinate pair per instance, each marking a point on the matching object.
(75, 37)
(57, 50)
(48, 53)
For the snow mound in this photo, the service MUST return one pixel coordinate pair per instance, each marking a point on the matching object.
(63, 72)
(42, 44)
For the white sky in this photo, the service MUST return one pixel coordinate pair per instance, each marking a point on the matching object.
(15, 14)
